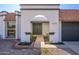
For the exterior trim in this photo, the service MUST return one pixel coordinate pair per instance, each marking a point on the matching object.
(39, 21)
(6, 15)
(39, 9)
(9, 20)
(69, 21)
(39, 4)
(3, 15)
(18, 15)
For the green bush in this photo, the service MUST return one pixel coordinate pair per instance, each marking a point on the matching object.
(24, 43)
(32, 38)
(46, 38)
(45, 50)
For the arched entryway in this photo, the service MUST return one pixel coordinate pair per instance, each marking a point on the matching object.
(40, 25)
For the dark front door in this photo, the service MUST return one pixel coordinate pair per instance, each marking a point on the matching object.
(37, 28)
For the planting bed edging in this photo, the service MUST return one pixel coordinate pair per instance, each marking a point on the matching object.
(24, 46)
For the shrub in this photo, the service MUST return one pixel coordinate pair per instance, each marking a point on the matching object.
(45, 50)
(24, 43)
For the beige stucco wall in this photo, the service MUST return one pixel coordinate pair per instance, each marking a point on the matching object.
(51, 14)
(28, 15)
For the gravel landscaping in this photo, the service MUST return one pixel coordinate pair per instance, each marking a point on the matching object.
(7, 48)
(20, 52)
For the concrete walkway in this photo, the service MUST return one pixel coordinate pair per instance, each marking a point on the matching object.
(39, 41)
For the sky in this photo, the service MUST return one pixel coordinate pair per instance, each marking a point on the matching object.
(13, 7)
(69, 6)
(9, 7)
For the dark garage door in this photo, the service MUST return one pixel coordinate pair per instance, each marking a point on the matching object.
(70, 31)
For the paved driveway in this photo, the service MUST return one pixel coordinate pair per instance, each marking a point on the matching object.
(73, 45)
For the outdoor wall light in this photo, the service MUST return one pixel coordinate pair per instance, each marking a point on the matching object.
(51, 33)
(28, 33)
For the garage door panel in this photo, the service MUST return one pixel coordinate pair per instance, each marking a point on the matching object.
(70, 31)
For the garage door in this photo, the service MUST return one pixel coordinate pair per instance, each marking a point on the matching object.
(70, 31)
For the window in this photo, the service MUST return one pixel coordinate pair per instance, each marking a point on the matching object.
(11, 29)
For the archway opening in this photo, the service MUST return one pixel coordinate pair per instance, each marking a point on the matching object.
(40, 25)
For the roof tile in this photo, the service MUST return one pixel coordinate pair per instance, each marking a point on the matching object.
(69, 15)
(10, 17)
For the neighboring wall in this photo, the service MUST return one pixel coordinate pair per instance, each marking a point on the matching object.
(2, 25)
(5, 16)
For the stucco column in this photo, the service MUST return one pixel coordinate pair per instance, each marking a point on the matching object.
(16, 23)
(60, 31)
(3, 25)
(54, 30)
(25, 28)
(4, 29)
